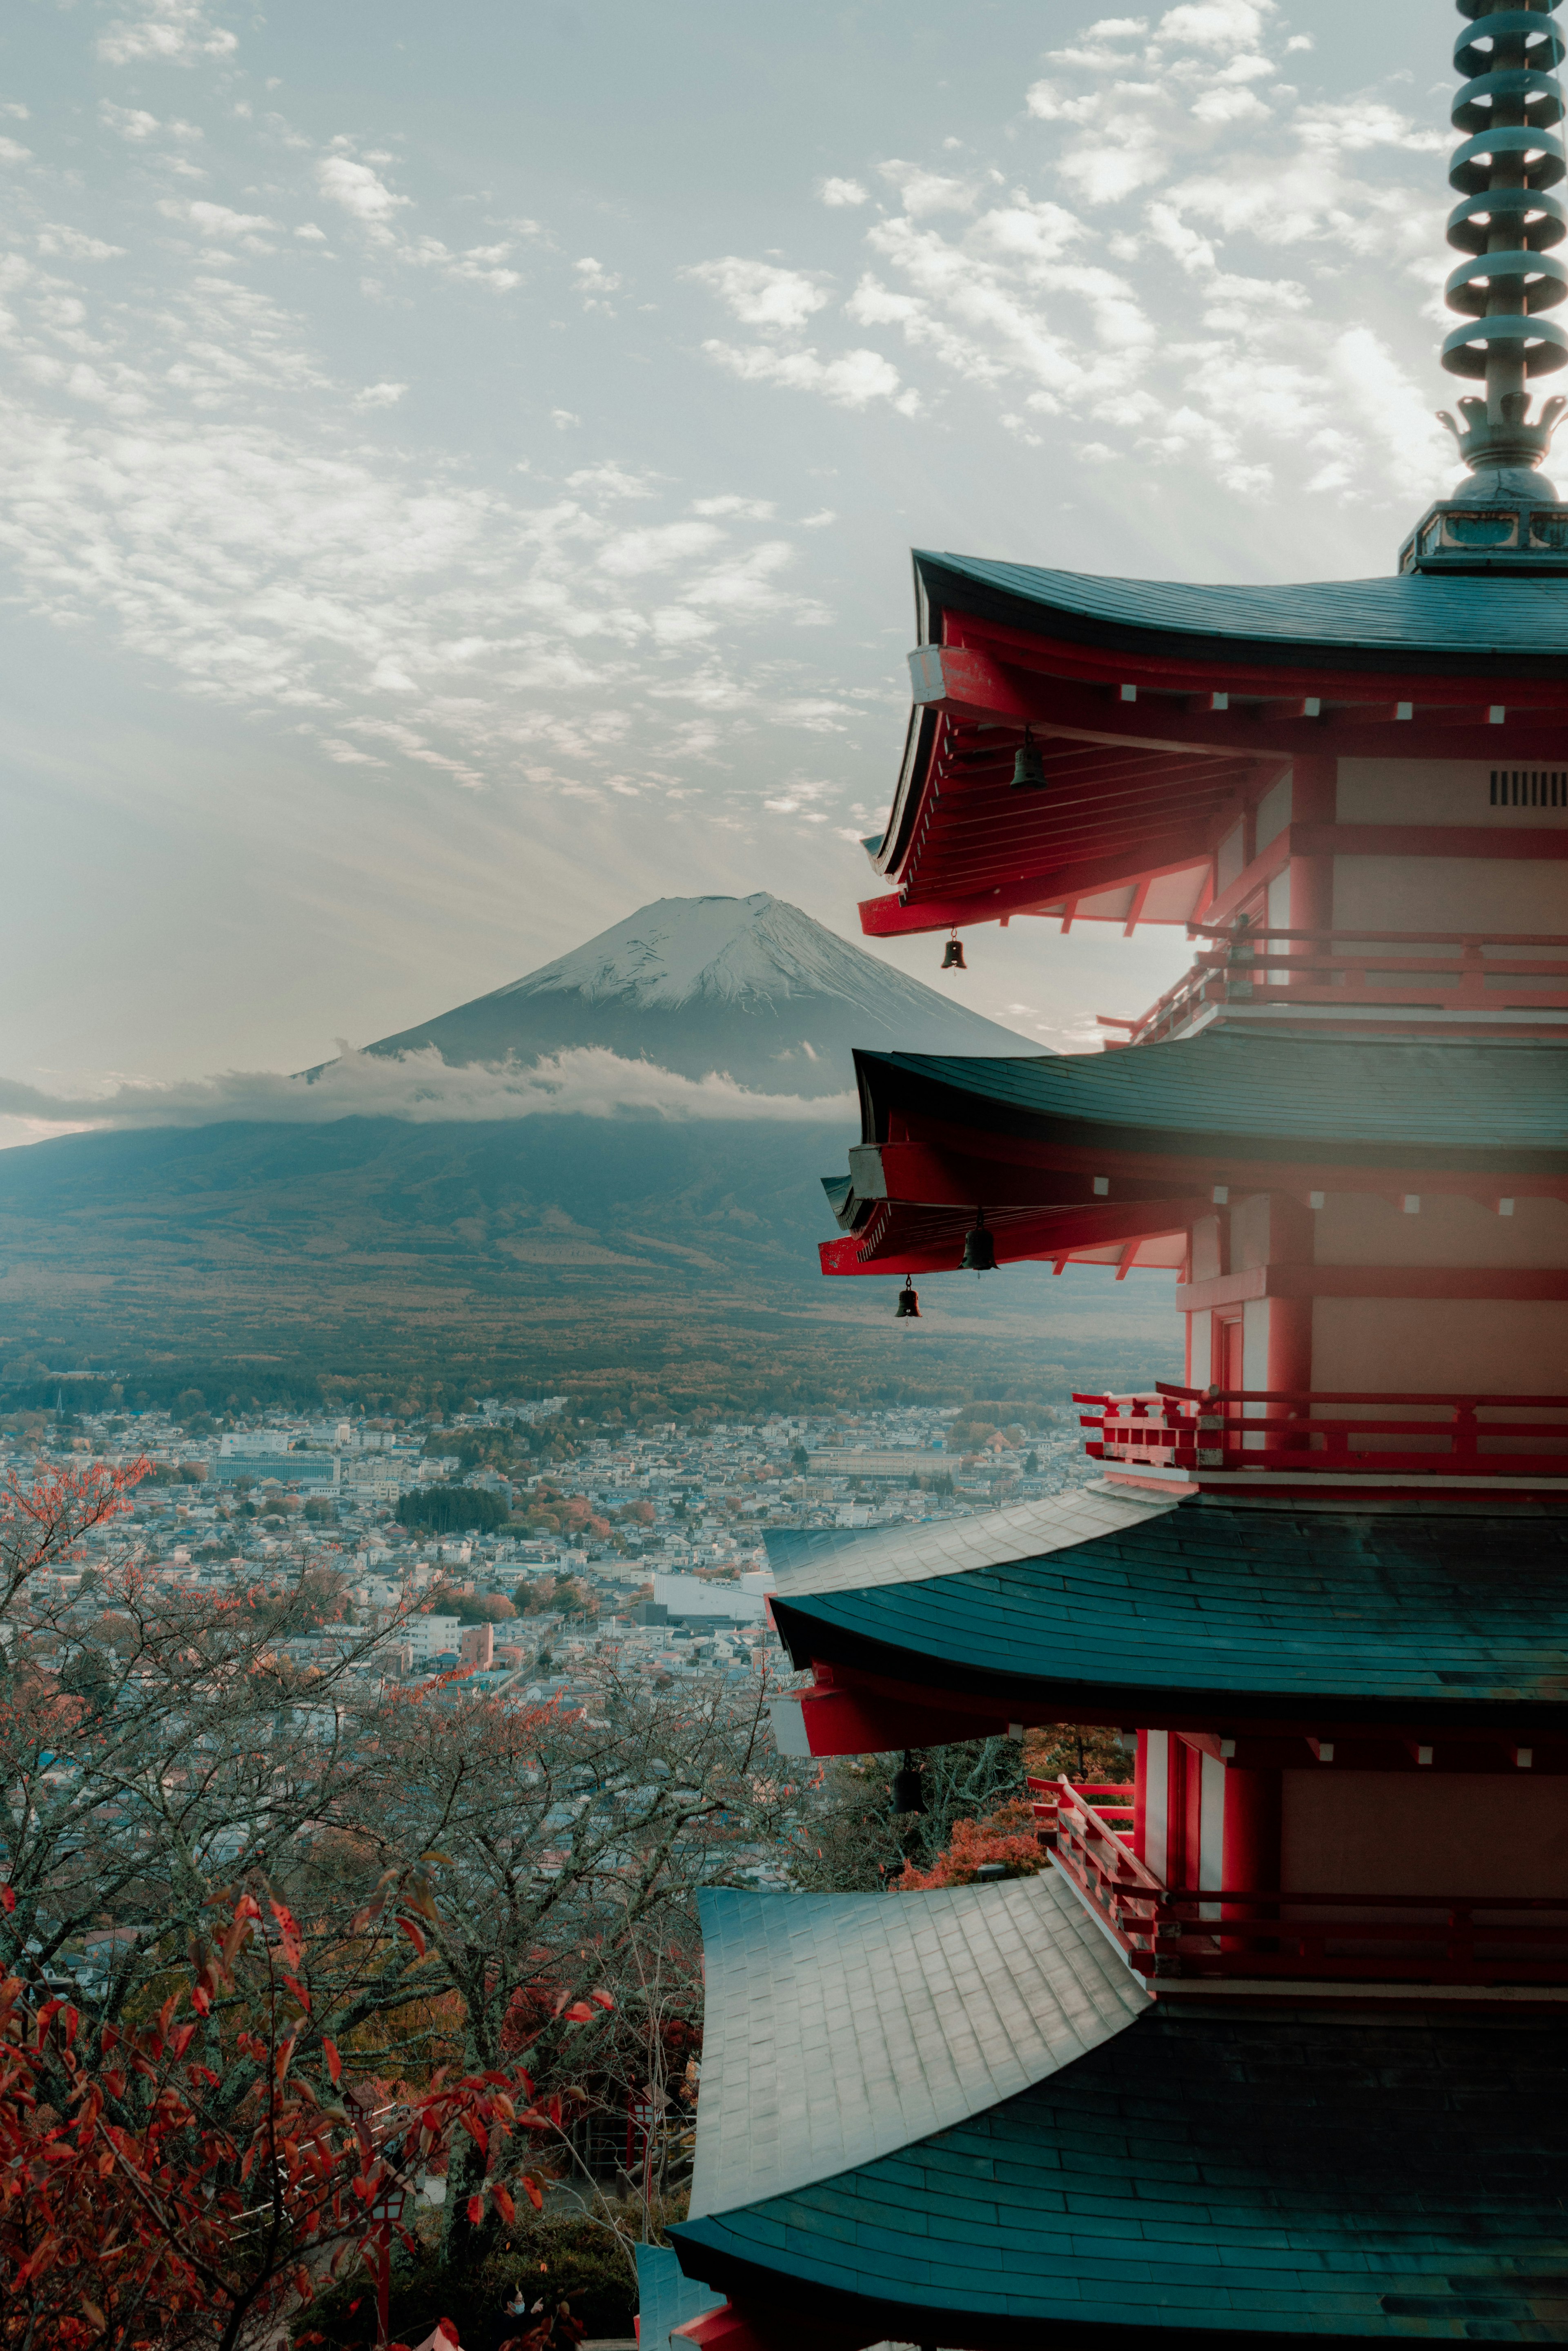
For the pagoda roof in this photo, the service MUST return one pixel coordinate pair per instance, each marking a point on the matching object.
(1284, 1614)
(1196, 2177)
(1470, 624)
(1158, 710)
(837, 2028)
(1349, 1097)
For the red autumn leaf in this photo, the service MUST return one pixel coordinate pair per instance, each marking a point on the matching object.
(578, 2013)
(334, 2063)
(504, 2205)
(534, 2195)
(289, 1936)
(414, 1936)
(7, 1899)
(300, 1994)
(475, 2210)
(602, 1999)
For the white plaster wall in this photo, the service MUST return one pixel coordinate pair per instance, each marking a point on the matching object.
(1432, 792)
(1363, 1229)
(1451, 894)
(1459, 1345)
(1410, 1833)
(1273, 814)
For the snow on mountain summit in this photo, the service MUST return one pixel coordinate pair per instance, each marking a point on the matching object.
(748, 987)
(726, 949)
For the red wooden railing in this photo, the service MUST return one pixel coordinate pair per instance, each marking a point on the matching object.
(1445, 971)
(1314, 1431)
(1253, 1932)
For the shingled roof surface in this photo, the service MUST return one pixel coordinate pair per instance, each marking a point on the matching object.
(1381, 1100)
(1282, 2176)
(1521, 625)
(1406, 1613)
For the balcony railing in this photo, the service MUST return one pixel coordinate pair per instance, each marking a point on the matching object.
(1255, 1932)
(1325, 1431)
(1358, 972)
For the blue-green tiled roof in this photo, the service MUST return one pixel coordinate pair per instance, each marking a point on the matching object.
(1469, 1104)
(1281, 2175)
(1398, 1616)
(1472, 621)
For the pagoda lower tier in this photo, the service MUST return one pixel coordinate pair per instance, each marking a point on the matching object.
(957, 2118)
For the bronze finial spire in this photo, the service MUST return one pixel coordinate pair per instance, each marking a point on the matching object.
(1506, 224)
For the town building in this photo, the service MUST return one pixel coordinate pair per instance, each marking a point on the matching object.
(1276, 2048)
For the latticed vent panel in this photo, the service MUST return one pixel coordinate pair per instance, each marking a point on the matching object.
(1529, 788)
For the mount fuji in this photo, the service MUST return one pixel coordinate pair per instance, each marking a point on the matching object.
(748, 987)
(609, 1246)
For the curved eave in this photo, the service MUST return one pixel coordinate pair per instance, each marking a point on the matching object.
(1277, 1616)
(1481, 628)
(1194, 2180)
(1268, 1099)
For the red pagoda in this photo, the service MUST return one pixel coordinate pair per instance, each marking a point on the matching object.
(1277, 2047)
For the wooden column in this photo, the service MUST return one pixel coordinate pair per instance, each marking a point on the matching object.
(1314, 796)
(1253, 1806)
(1292, 1242)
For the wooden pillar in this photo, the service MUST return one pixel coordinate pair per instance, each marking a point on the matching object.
(1314, 796)
(1291, 1242)
(1253, 1805)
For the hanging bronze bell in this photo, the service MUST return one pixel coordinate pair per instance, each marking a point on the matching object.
(953, 955)
(1029, 767)
(980, 1250)
(908, 1788)
(908, 1302)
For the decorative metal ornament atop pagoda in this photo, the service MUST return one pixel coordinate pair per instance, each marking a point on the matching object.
(1508, 224)
(1276, 2047)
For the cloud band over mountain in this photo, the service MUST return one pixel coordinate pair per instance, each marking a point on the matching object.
(588, 1082)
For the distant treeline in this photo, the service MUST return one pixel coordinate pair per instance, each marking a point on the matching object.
(724, 1365)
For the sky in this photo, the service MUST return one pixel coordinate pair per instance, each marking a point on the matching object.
(460, 464)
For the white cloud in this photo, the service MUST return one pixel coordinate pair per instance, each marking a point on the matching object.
(853, 380)
(13, 152)
(75, 245)
(633, 552)
(588, 1082)
(359, 189)
(593, 278)
(921, 191)
(380, 395)
(219, 223)
(760, 295)
(608, 478)
(731, 502)
(1228, 25)
(838, 192)
(172, 32)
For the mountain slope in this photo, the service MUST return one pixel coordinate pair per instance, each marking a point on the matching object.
(749, 985)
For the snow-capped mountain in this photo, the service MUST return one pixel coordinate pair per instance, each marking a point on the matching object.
(751, 986)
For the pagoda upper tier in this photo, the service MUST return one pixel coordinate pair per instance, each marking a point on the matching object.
(1364, 760)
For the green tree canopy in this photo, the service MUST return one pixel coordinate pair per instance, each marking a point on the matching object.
(450, 1509)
